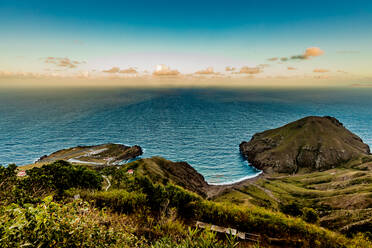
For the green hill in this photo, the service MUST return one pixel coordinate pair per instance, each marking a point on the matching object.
(312, 144)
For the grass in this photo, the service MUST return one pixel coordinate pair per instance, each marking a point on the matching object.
(341, 196)
(158, 212)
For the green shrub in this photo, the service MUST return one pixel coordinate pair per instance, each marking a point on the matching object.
(76, 224)
(272, 224)
(257, 220)
(8, 178)
(54, 225)
(182, 200)
(58, 176)
(360, 241)
(310, 215)
(39, 182)
(292, 208)
(118, 200)
(197, 239)
(62, 175)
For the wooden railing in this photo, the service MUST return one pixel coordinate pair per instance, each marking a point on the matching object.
(242, 235)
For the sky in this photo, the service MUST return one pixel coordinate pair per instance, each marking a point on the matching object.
(242, 42)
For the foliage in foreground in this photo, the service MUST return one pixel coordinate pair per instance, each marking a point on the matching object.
(160, 199)
(39, 182)
(145, 214)
(76, 224)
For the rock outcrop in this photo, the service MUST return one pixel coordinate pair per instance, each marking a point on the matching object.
(312, 143)
(106, 154)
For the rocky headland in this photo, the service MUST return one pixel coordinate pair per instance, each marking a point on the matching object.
(105, 154)
(312, 144)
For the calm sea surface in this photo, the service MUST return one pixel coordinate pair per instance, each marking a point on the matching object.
(201, 126)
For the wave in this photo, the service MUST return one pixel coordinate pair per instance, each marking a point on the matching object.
(238, 180)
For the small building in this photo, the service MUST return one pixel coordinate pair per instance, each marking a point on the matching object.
(130, 172)
(21, 173)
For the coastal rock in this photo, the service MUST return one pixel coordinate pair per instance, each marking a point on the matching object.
(312, 143)
(105, 154)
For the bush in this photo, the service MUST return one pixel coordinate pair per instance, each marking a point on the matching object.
(54, 225)
(197, 239)
(310, 215)
(142, 193)
(118, 200)
(272, 224)
(257, 220)
(360, 241)
(39, 182)
(293, 209)
(8, 178)
(182, 200)
(60, 176)
(75, 224)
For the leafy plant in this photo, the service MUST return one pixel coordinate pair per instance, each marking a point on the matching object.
(310, 215)
(51, 224)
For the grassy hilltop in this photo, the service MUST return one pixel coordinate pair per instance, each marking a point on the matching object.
(309, 144)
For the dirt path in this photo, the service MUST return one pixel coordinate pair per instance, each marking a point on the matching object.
(108, 182)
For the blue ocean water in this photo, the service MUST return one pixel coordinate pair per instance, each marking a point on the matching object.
(201, 126)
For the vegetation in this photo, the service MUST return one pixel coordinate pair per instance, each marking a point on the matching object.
(76, 224)
(310, 215)
(310, 144)
(138, 211)
(339, 203)
(52, 178)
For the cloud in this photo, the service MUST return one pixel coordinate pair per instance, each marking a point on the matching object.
(130, 70)
(116, 69)
(342, 71)
(313, 52)
(208, 71)
(163, 70)
(250, 70)
(291, 68)
(63, 62)
(299, 57)
(320, 70)
(348, 52)
(112, 70)
(263, 65)
(309, 52)
(25, 75)
(228, 68)
(321, 77)
(362, 85)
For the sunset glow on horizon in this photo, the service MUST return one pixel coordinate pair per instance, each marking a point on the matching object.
(235, 43)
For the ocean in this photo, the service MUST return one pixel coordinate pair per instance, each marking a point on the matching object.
(203, 127)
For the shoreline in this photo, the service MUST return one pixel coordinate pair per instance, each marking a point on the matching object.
(215, 190)
(236, 181)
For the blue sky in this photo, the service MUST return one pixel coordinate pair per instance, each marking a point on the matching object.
(185, 35)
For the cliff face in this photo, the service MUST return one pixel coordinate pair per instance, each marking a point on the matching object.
(314, 143)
